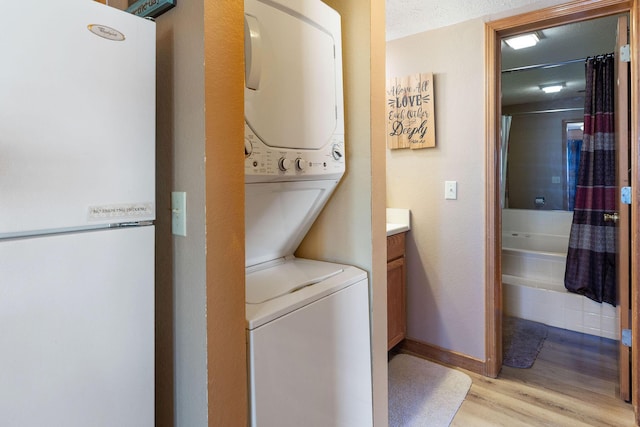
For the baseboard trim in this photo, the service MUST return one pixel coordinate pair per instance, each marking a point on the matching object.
(444, 356)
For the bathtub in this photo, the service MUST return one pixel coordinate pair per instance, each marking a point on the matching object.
(553, 245)
(533, 266)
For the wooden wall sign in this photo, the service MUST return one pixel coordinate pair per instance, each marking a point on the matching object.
(410, 119)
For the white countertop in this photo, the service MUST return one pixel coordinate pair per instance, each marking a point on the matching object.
(398, 221)
(396, 228)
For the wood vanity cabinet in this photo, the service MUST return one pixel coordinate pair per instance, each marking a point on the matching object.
(396, 290)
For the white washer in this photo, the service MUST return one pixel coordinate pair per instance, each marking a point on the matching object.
(309, 350)
(308, 333)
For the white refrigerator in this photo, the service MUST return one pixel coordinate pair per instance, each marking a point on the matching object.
(77, 204)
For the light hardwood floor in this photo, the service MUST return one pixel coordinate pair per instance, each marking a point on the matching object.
(572, 383)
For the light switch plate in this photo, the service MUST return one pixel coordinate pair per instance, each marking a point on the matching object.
(451, 190)
(179, 213)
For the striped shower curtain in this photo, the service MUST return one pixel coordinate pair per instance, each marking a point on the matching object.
(591, 258)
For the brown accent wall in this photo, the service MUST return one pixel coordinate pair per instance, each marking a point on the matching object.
(224, 171)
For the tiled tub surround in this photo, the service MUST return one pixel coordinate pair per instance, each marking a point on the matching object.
(534, 252)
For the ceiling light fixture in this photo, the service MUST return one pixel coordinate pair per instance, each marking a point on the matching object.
(522, 41)
(553, 88)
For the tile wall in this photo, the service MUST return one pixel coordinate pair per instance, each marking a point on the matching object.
(533, 284)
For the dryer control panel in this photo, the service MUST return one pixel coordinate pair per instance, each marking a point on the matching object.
(263, 163)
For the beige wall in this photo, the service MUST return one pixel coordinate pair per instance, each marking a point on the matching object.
(445, 248)
(200, 278)
(119, 4)
(537, 152)
(199, 298)
(351, 229)
(182, 279)
(538, 156)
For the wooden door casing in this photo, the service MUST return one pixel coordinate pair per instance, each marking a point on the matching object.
(574, 11)
(622, 226)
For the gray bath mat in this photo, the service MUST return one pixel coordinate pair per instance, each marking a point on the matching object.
(521, 341)
(423, 393)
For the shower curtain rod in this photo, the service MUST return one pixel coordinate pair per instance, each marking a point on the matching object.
(557, 110)
(539, 66)
(552, 64)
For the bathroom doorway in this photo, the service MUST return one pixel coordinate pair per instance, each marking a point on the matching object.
(496, 32)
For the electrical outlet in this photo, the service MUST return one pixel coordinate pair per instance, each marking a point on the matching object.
(451, 190)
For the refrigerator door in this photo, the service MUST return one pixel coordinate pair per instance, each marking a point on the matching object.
(77, 116)
(77, 329)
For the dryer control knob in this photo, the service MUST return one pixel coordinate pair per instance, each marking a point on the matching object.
(248, 148)
(284, 164)
(336, 152)
(301, 164)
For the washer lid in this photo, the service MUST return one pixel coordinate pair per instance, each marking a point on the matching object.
(273, 282)
(293, 73)
(262, 314)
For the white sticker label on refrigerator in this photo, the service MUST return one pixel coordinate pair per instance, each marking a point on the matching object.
(121, 212)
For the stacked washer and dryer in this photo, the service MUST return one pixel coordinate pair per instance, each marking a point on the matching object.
(308, 334)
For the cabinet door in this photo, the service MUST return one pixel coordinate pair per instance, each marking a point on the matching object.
(396, 317)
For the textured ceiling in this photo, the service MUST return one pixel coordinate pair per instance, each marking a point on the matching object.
(559, 44)
(406, 17)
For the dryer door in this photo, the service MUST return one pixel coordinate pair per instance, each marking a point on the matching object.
(293, 93)
(278, 215)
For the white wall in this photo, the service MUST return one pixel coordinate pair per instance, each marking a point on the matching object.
(445, 247)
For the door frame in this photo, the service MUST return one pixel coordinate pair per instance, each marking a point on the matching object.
(573, 11)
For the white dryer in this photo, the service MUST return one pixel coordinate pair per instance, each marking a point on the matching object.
(308, 333)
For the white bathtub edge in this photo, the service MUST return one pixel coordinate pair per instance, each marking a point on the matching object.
(564, 310)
